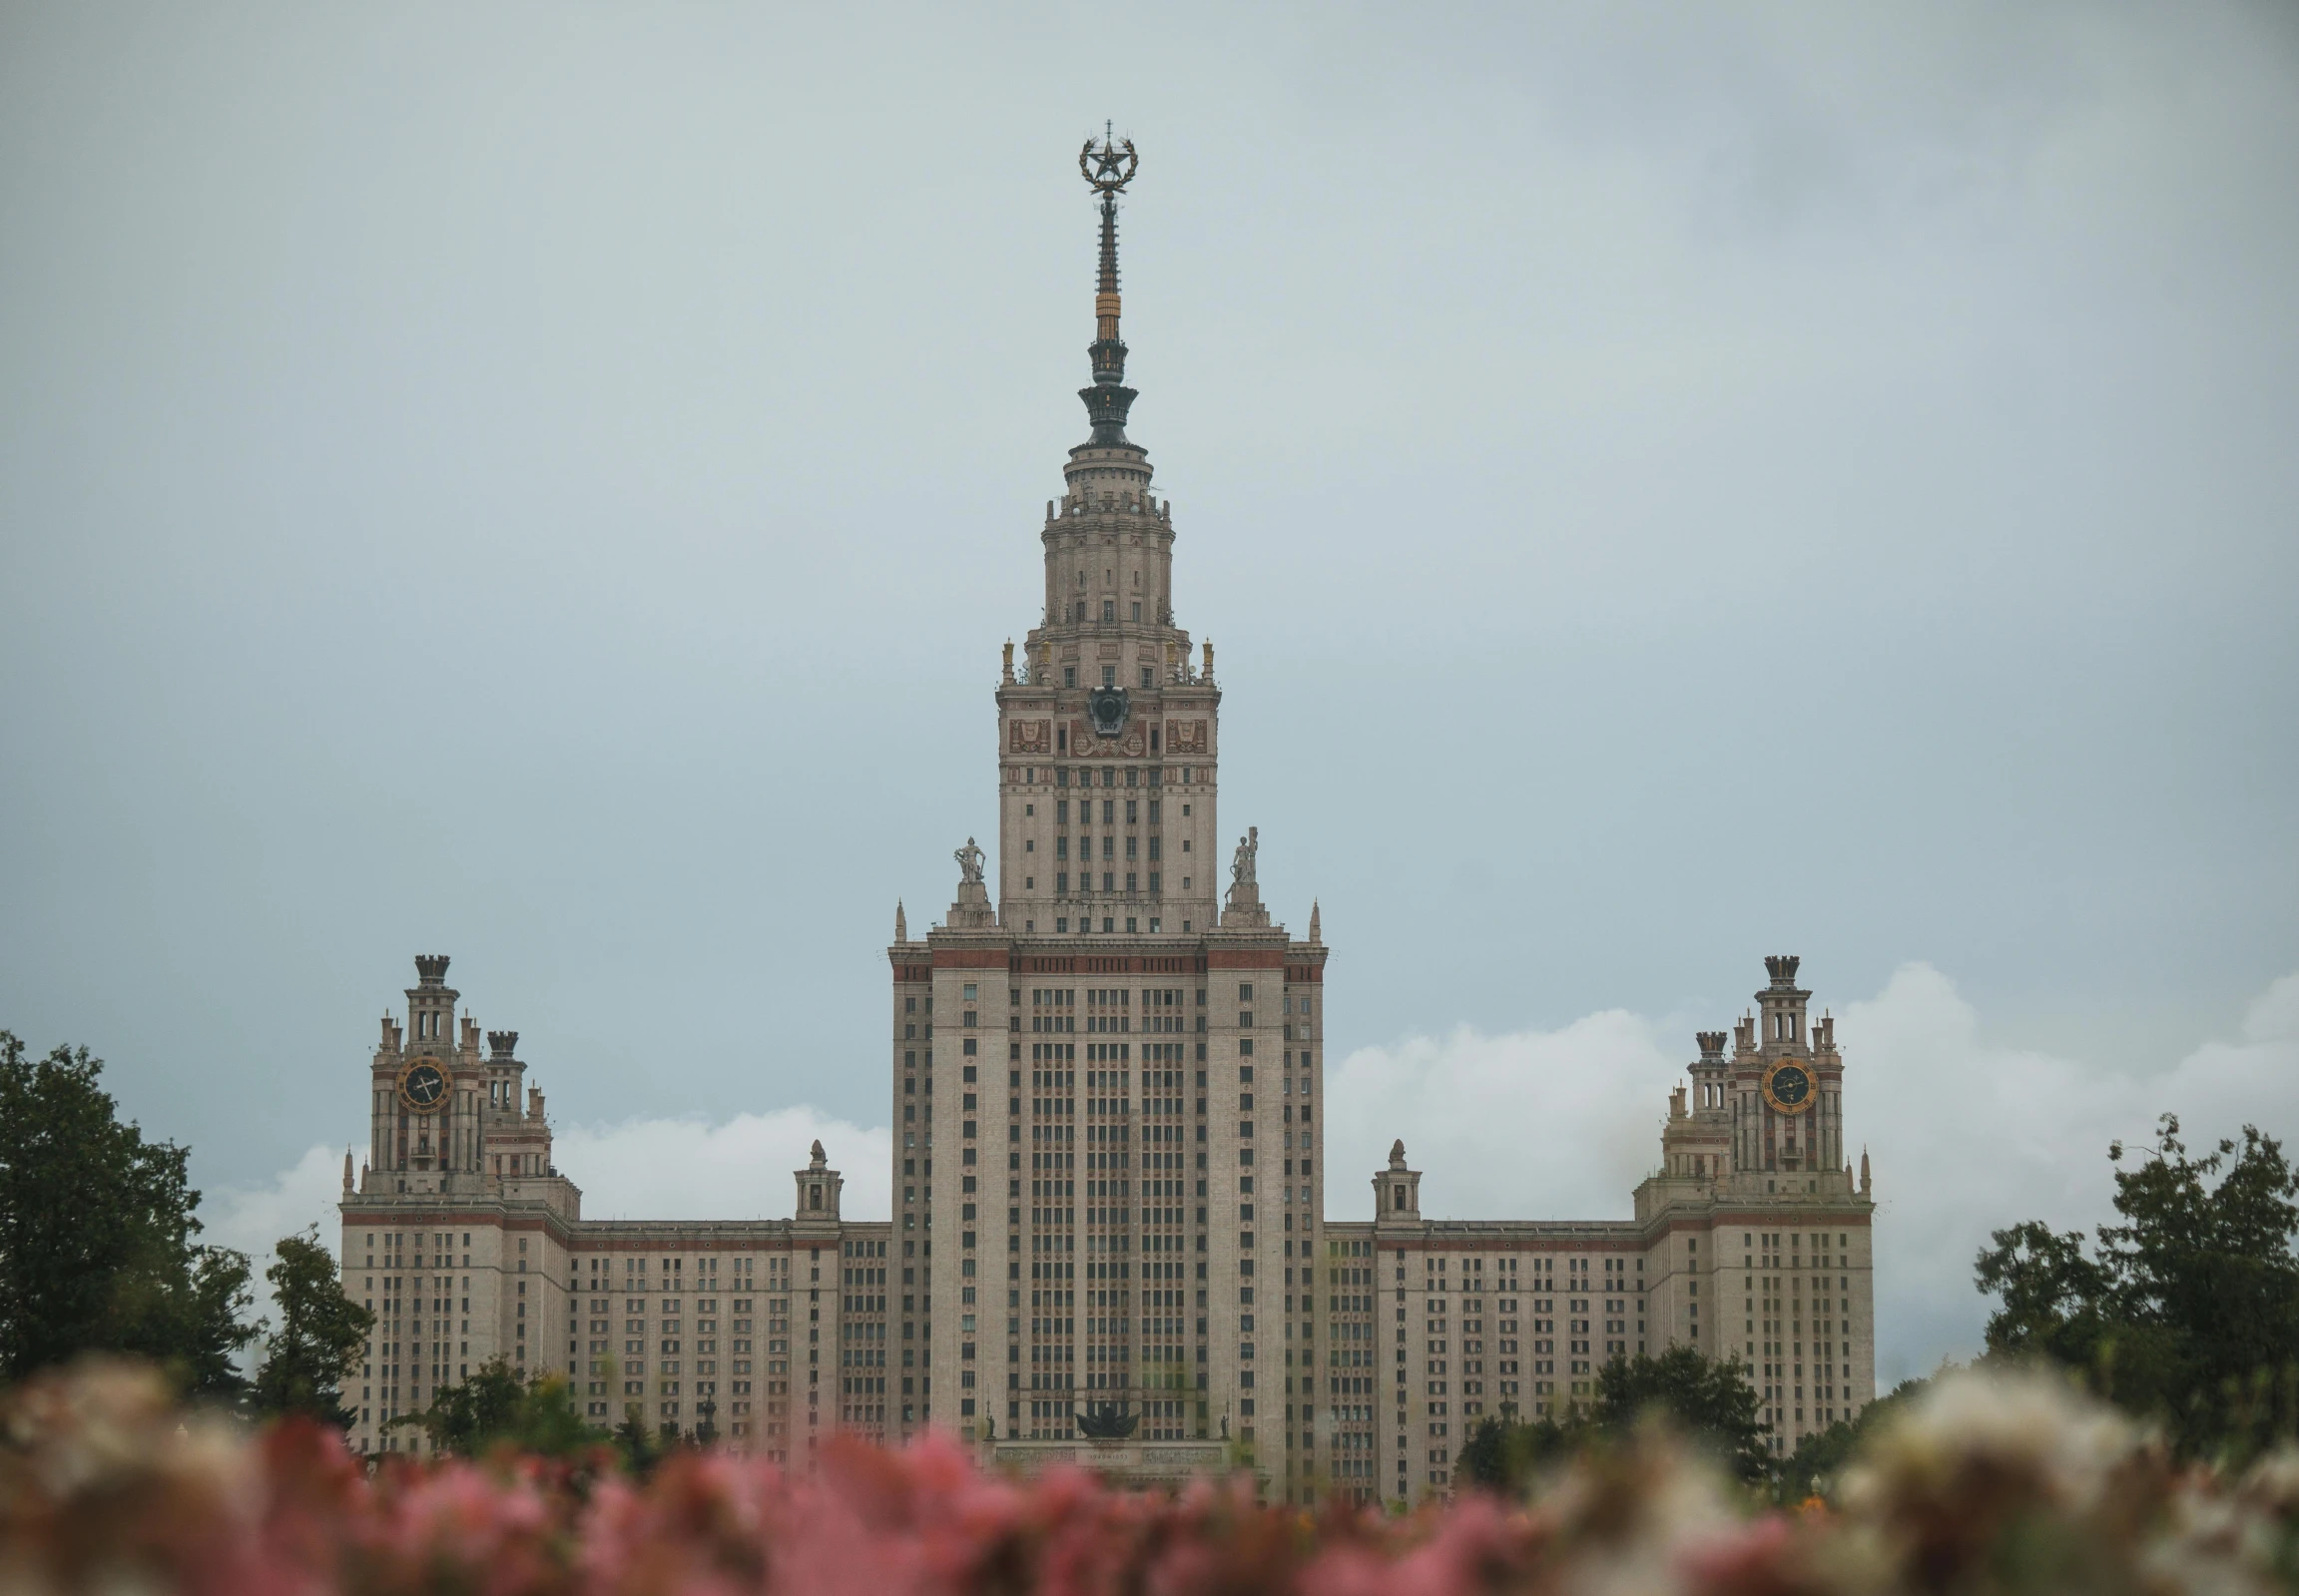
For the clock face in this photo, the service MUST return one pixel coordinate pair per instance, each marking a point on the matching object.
(1789, 1088)
(422, 1088)
(1108, 707)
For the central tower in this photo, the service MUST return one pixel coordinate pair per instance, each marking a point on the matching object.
(1101, 1205)
(1106, 676)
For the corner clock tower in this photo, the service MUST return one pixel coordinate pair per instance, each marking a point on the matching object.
(1790, 1088)
(427, 1088)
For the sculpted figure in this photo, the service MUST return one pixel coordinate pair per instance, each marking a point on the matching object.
(969, 860)
(1248, 847)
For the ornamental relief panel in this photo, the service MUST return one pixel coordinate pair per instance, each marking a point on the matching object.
(1185, 737)
(1029, 737)
(1130, 744)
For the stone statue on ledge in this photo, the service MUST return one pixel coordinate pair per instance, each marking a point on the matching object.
(1244, 905)
(969, 860)
(1241, 867)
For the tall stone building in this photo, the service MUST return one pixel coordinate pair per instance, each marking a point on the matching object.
(1119, 1068)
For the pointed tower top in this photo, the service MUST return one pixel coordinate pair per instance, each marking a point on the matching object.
(816, 1155)
(1316, 925)
(901, 922)
(1107, 169)
(346, 1169)
(1396, 1154)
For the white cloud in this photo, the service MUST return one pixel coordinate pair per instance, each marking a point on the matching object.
(1575, 1121)
(738, 1169)
(254, 1217)
(1966, 1135)
(1969, 1135)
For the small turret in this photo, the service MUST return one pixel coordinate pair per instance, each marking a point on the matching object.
(1397, 1190)
(819, 1189)
(1781, 1006)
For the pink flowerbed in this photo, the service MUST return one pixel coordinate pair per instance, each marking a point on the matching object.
(1990, 1485)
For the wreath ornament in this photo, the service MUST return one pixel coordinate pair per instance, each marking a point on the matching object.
(1110, 168)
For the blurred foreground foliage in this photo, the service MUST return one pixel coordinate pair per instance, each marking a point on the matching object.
(1995, 1482)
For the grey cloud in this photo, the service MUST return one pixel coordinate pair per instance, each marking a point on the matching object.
(550, 486)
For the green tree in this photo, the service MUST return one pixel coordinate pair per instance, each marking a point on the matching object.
(1484, 1458)
(320, 1337)
(2188, 1311)
(638, 1445)
(1821, 1457)
(1712, 1400)
(97, 1227)
(1504, 1455)
(496, 1408)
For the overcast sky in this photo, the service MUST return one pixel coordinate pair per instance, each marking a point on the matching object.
(1667, 485)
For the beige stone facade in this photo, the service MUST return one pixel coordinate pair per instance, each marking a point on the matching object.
(464, 1239)
(1109, 1105)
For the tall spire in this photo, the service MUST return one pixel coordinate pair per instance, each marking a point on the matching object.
(1108, 168)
